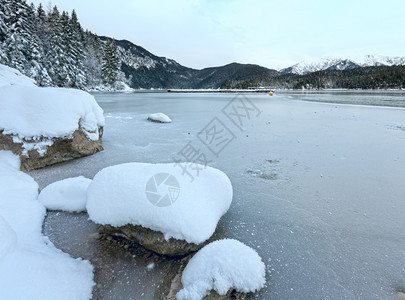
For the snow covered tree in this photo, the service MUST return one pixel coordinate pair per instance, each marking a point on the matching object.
(94, 59)
(3, 29)
(57, 57)
(52, 47)
(16, 43)
(75, 52)
(36, 68)
(111, 63)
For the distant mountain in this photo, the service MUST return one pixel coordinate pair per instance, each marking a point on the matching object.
(215, 77)
(306, 67)
(146, 70)
(378, 60)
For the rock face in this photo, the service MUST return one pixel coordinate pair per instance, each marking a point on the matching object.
(60, 150)
(152, 240)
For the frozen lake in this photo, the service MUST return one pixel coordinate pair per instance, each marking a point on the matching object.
(318, 187)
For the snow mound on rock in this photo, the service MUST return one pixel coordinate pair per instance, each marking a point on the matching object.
(30, 266)
(10, 76)
(160, 197)
(68, 195)
(160, 118)
(31, 112)
(222, 265)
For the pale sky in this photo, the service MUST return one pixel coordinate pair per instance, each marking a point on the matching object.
(273, 33)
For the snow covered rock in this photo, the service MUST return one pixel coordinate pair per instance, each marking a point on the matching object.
(30, 265)
(157, 206)
(222, 266)
(68, 195)
(159, 118)
(45, 126)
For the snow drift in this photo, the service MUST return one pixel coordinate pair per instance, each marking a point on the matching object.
(68, 195)
(30, 266)
(10, 76)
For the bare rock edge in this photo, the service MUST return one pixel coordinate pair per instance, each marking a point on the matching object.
(63, 149)
(152, 240)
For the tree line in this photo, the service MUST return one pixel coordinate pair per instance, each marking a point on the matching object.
(52, 47)
(378, 77)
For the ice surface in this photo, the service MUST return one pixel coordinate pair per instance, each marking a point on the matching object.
(162, 198)
(160, 117)
(32, 112)
(68, 195)
(336, 236)
(222, 265)
(30, 266)
(10, 76)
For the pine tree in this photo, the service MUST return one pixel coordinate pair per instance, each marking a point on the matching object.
(16, 43)
(36, 68)
(75, 52)
(56, 56)
(111, 62)
(3, 15)
(3, 29)
(94, 59)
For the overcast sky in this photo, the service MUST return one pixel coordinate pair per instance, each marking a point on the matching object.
(273, 33)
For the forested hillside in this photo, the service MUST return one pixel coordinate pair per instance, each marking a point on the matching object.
(380, 77)
(51, 47)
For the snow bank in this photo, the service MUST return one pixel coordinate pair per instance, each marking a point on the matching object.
(31, 112)
(10, 76)
(8, 238)
(222, 265)
(120, 87)
(159, 117)
(69, 194)
(30, 266)
(124, 194)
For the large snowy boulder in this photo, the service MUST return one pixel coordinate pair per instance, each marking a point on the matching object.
(157, 206)
(219, 268)
(45, 126)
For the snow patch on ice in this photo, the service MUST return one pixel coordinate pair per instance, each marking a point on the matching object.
(122, 194)
(30, 266)
(159, 117)
(68, 195)
(222, 265)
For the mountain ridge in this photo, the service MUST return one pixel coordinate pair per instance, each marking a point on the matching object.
(329, 63)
